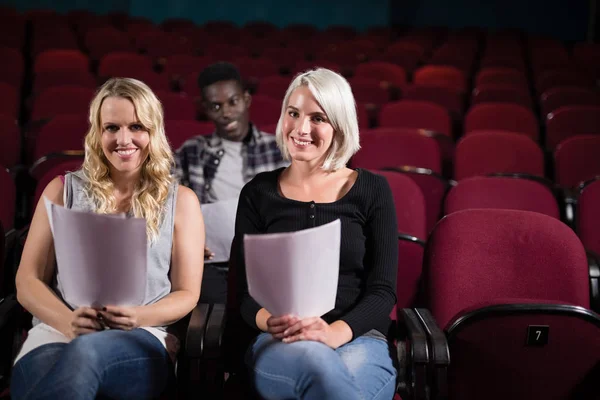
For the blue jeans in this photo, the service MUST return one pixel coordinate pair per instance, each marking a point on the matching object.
(361, 369)
(112, 363)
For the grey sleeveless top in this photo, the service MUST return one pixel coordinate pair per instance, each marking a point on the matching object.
(158, 284)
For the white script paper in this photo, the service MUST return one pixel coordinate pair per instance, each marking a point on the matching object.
(219, 221)
(101, 259)
(296, 272)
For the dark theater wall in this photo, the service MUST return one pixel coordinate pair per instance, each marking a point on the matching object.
(562, 19)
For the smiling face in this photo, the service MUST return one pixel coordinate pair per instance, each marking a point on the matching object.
(124, 139)
(307, 131)
(227, 105)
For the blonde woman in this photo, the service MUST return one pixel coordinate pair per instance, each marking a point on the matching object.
(343, 354)
(69, 353)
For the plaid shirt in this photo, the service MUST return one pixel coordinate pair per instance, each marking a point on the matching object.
(197, 160)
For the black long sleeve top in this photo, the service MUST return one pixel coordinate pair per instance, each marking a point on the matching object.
(368, 253)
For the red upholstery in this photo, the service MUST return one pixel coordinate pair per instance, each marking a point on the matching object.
(577, 159)
(183, 64)
(451, 99)
(501, 76)
(395, 147)
(10, 141)
(484, 255)
(46, 79)
(62, 100)
(61, 59)
(124, 64)
(476, 260)
(7, 201)
(415, 114)
(383, 72)
(12, 67)
(60, 168)
(588, 215)
(570, 121)
(501, 93)
(103, 40)
(9, 100)
(180, 131)
(369, 91)
(500, 192)
(560, 96)
(485, 152)
(440, 75)
(264, 110)
(273, 86)
(411, 216)
(562, 77)
(253, 69)
(177, 106)
(502, 116)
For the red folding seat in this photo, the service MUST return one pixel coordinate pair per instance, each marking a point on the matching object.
(570, 121)
(499, 93)
(501, 116)
(562, 77)
(60, 168)
(222, 50)
(8, 202)
(576, 160)
(9, 100)
(387, 74)
(587, 57)
(440, 75)
(105, 40)
(15, 24)
(177, 106)
(124, 64)
(369, 91)
(409, 151)
(501, 76)
(61, 100)
(302, 66)
(12, 69)
(587, 216)
(411, 217)
(50, 78)
(273, 86)
(254, 69)
(508, 300)
(72, 60)
(511, 193)
(416, 114)
(561, 96)
(62, 134)
(181, 65)
(10, 141)
(264, 110)
(285, 58)
(156, 81)
(180, 131)
(403, 55)
(156, 44)
(189, 85)
(488, 152)
(452, 100)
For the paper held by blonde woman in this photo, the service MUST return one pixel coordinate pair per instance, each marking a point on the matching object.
(101, 259)
(294, 272)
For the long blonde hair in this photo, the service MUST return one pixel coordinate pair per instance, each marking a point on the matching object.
(151, 191)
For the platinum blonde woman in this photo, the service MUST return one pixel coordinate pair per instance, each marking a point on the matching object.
(69, 353)
(343, 354)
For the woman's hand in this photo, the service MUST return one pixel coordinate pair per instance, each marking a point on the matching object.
(316, 329)
(124, 318)
(276, 326)
(84, 320)
(208, 254)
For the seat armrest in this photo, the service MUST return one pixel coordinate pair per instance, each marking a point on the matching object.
(194, 338)
(214, 332)
(413, 356)
(8, 306)
(594, 272)
(439, 354)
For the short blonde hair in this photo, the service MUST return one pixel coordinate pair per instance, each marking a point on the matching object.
(151, 191)
(334, 95)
